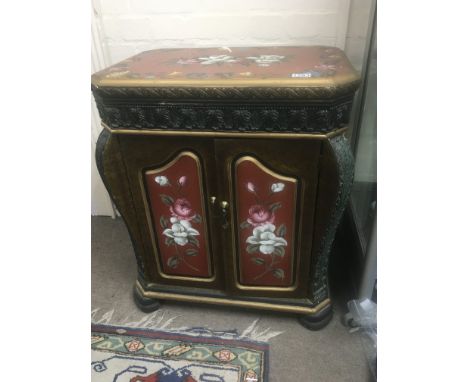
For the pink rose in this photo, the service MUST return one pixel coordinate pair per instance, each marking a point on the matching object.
(182, 209)
(260, 215)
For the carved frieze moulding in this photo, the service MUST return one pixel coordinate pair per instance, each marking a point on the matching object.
(226, 117)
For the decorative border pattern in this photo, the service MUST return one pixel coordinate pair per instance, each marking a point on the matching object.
(196, 345)
(345, 161)
(228, 93)
(289, 118)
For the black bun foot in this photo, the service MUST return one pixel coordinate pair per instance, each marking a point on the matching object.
(145, 304)
(317, 321)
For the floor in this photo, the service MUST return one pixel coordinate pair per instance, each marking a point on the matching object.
(297, 354)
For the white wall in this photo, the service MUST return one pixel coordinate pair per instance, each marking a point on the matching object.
(127, 27)
(356, 36)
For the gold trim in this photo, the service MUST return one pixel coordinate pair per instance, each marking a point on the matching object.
(331, 82)
(336, 132)
(152, 228)
(232, 302)
(236, 258)
(217, 134)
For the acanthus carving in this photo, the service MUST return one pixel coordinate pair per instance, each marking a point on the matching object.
(226, 117)
(345, 162)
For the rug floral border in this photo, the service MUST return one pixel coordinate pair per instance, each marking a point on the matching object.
(179, 346)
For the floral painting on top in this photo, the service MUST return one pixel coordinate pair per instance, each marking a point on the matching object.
(260, 60)
(244, 64)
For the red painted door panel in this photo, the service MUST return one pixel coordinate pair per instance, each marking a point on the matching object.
(266, 213)
(177, 204)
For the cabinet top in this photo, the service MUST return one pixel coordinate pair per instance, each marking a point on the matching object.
(314, 67)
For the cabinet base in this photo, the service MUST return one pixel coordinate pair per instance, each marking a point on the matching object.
(314, 317)
(317, 321)
(145, 304)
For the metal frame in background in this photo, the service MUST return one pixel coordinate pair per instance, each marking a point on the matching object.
(367, 256)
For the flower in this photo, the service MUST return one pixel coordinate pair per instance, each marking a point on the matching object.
(260, 215)
(277, 187)
(180, 231)
(162, 180)
(186, 62)
(182, 180)
(250, 187)
(264, 236)
(217, 59)
(266, 59)
(182, 209)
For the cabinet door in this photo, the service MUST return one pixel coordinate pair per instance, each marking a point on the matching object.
(271, 187)
(170, 180)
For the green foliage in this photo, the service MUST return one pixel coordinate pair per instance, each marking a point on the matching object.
(191, 252)
(164, 222)
(173, 262)
(278, 273)
(167, 200)
(281, 231)
(274, 206)
(258, 260)
(197, 219)
(244, 224)
(253, 248)
(193, 240)
(169, 241)
(279, 251)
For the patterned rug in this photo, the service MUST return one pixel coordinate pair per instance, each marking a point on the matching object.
(141, 355)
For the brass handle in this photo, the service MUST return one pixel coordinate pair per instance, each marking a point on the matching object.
(225, 213)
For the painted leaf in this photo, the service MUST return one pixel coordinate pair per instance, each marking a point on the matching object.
(281, 231)
(274, 206)
(197, 219)
(163, 222)
(173, 262)
(244, 224)
(193, 240)
(252, 248)
(278, 273)
(258, 260)
(169, 241)
(167, 200)
(279, 251)
(191, 252)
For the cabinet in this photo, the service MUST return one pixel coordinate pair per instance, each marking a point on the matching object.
(231, 185)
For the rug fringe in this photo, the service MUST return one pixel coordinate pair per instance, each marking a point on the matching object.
(157, 321)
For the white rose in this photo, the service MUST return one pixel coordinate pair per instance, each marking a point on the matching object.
(180, 231)
(277, 187)
(161, 180)
(264, 236)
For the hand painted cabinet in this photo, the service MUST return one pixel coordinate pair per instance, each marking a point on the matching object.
(231, 171)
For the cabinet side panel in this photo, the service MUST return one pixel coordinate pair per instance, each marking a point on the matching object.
(112, 170)
(337, 169)
(266, 212)
(175, 200)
